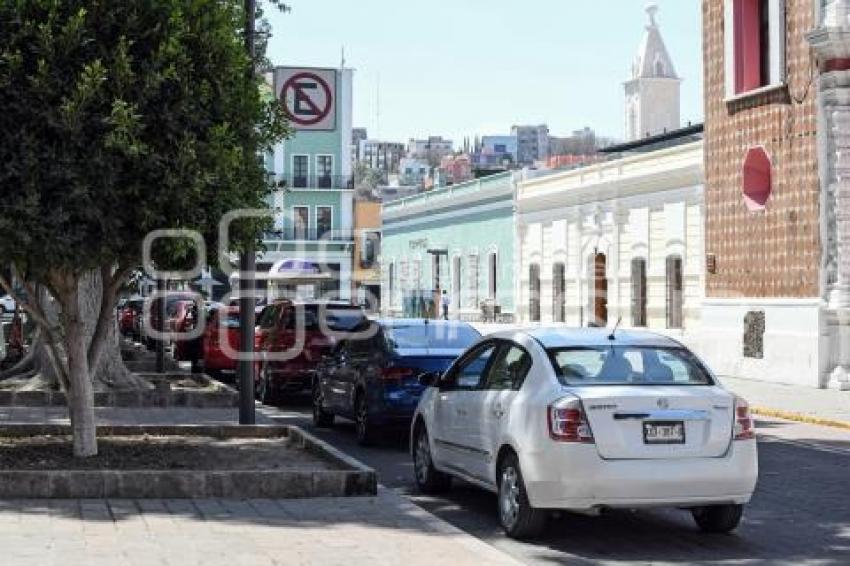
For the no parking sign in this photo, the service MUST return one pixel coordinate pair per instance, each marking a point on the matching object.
(308, 97)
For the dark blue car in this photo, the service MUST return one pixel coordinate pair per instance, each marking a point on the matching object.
(373, 377)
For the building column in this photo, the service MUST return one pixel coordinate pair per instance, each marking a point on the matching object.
(830, 41)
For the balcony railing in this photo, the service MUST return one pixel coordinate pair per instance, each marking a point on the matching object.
(314, 181)
(310, 235)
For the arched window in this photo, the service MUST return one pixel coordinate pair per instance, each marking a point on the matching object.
(675, 295)
(534, 293)
(638, 292)
(493, 273)
(559, 290)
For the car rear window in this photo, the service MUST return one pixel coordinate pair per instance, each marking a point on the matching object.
(451, 337)
(628, 365)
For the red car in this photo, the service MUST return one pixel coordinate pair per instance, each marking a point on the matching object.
(222, 325)
(154, 322)
(277, 335)
(129, 318)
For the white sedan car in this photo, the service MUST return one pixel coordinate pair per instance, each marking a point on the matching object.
(586, 419)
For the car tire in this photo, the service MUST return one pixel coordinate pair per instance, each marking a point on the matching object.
(518, 518)
(718, 518)
(364, 428)
(428, 479)
(321, 418)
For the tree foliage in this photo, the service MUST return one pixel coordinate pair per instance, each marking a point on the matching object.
(118, 118)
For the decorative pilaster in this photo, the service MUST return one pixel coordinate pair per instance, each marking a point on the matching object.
(831, 44)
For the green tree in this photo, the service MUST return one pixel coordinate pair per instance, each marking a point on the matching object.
(118, 118)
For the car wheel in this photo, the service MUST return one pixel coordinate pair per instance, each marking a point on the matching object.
(321, 418)
(365, 429)
(428, 478)
(718, 518)
(519, 519)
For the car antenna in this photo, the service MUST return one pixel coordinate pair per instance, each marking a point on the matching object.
(613, 330)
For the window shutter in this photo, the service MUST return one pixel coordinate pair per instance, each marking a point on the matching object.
(777, 41)
(747, 30)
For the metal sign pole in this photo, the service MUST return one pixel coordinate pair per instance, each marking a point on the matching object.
(247, 266)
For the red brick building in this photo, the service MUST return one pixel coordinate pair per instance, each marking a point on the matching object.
(777, 194)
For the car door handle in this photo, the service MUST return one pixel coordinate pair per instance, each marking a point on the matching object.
(498, 412)
(461, 412)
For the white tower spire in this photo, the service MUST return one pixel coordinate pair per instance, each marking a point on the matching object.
(653, 91)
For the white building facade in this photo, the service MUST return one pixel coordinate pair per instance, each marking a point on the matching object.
(620, 240)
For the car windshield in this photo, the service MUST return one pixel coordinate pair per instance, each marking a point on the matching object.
(454, 337)
(628, 365)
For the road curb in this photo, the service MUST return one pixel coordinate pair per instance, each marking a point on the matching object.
(799, 417)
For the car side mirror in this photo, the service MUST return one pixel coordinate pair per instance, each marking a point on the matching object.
(430, 379)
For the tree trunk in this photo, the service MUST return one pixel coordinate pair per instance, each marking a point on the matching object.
(81, 391)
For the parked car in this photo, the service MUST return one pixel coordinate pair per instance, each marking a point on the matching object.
(154, 322)
(373, 378)
(586, 419)
(7, 304)
(278, 338)
(222, 325)
(129, 317)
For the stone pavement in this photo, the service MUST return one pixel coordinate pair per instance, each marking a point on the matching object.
(818, 406)
(386, 529)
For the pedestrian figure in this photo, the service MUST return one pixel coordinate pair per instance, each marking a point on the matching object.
(446, 301)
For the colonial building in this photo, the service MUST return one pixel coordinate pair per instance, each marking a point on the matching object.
(459, 239)
(777, 100)
(309, 251)
(618, 241)
(366, 272)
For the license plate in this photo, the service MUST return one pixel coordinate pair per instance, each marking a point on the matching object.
(663, 432)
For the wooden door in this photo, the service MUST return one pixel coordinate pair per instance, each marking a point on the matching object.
(600, 290)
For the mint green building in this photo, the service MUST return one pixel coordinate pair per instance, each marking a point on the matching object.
(309, 252)
(459, 239)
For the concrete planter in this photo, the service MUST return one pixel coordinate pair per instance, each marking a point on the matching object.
(215, 396)
(351, 478)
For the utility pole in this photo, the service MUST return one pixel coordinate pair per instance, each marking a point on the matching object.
(247, 266)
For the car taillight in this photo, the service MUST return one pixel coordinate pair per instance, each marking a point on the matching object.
(567, 422)
(744, 427)
(397, 372)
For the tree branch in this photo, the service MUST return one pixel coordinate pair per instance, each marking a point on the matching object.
(110, 284)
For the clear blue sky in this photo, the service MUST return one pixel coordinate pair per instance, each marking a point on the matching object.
(466, 67)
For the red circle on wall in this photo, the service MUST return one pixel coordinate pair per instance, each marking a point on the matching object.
(757, 178)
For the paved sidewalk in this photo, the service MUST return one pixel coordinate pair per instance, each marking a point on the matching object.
(818, 406)
(386, 529)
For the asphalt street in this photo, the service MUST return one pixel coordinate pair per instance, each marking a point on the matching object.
(799, 514)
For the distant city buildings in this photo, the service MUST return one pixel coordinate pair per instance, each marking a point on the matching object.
(413, 171)
(383, 156)
(532, 143)
(357, 135)
(455, 169)
(432, 149)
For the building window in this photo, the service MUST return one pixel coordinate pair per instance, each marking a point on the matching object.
(559, 290)
(492, 275)
(301, 220)
(370, 249)
(757, 178)
(534, 293)
(755, 44)
(638, 292)
(324, 222)
(300, 171)
(392, 284)
(675, 298)
(324, 171)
